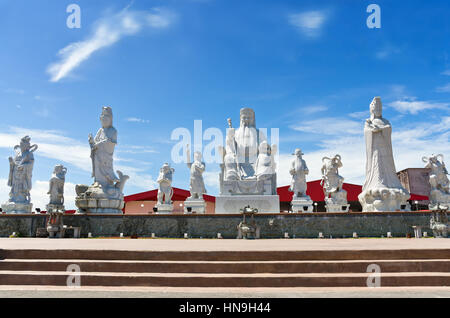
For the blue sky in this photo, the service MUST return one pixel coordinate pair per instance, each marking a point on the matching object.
(309, 68)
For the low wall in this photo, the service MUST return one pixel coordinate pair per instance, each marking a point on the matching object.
(301, 225)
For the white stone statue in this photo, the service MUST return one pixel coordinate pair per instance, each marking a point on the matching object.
(106, 194)
(382, 190)
(440, 192)
(248, 168)
(195, 203)
(165, 190)
(56, 189)
(20, 175)
(298, 171)
(335, 195)
(301, 202)
(197, 185)
(240, 158)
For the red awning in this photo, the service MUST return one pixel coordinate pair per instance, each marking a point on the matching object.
(315, 191)
(178, 195)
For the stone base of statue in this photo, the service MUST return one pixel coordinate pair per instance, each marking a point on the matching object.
(302, 204)
(384, 200)
(334, 207)
(232, 204)
(197, 206)
(439, 200)
(93, 200)
(55, 208)
(164, 208)
(17, 208)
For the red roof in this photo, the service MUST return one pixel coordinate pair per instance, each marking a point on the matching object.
(178, 195)
(315, 191)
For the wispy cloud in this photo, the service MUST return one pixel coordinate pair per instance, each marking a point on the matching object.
(414, 106)
(443, 89)
(329, 126)
(387, 52)
(314, 109)
(410, 143)
(447, 72)
(54, 145)
(309, 23)
(14, 91)
(107, 32)
(137, 120)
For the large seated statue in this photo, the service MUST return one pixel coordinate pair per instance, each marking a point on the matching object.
(248, 168)
(20, 174)
(105, 195)
(248, 165)
(332, 182)
(382, 190)
(440, 192)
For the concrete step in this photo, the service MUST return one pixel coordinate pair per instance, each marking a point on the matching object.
(227, 255)
(353, 266)
(57, 278)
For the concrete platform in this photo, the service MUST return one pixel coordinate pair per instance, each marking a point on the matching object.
(175, 292)
(225, 245)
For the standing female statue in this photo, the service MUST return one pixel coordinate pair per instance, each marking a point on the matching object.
(382, 190)
(20, 174)
(105, 195)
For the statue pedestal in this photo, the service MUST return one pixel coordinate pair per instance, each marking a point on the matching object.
(384, 200)
(164, 208)
(196, 205)
(337, 207)
(303, 204)
(93, 200)
(232, 204)
(55, 208)
(439, 200)
(17, 208)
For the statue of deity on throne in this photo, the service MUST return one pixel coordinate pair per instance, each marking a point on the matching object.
(248, 160)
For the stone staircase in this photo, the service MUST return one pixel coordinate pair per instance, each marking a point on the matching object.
(327, 268)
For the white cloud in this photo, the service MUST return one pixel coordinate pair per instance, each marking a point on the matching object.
(360, 115)
(54, 145)
(211, 179)
(308, 23)
(410, 143)
(387, 51)
(39, 196)
(108, 31)
(447, 72)
(444, 89)
(137, 120)
(414, 106)
(329, 126)
(314, 109)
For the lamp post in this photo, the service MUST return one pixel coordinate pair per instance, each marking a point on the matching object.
(417, 205)
(315, 206)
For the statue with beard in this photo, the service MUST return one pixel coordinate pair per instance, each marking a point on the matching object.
(248, 168)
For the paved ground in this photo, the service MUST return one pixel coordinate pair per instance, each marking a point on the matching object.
(166, 292)
(225, 245)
